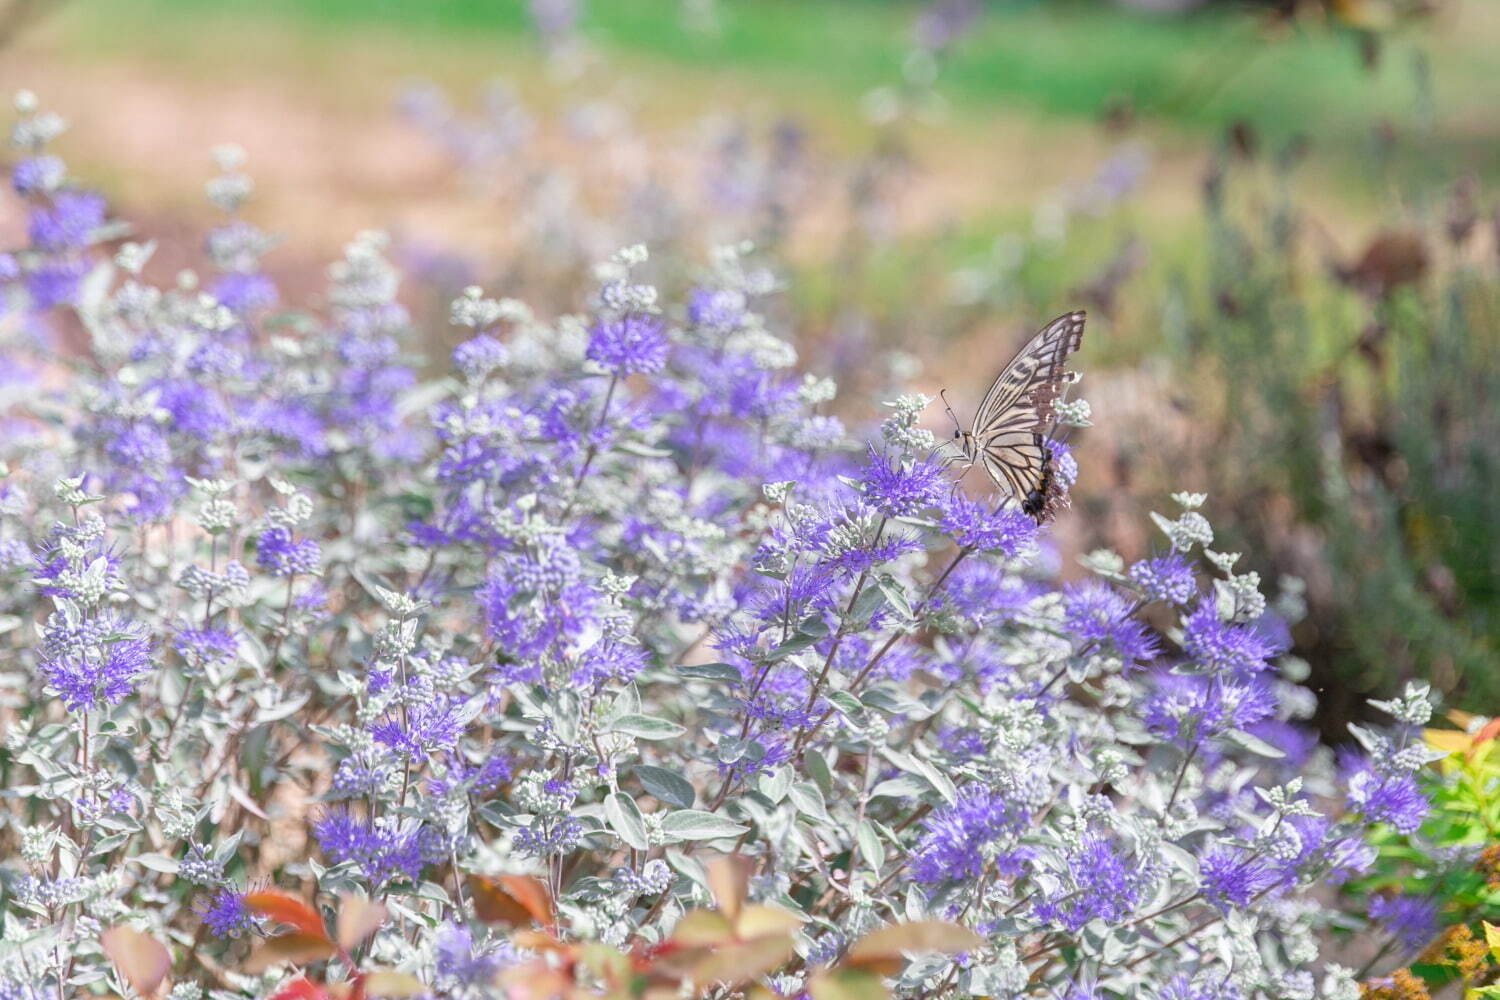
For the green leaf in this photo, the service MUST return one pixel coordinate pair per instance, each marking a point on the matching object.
(819, 771)
(157, 863)
(668, 786)
(808, 800)
(847, 703)
(626, 820)
(695, 824)
(866, 604)
(869, 844)
(1252, 744)
(711, 671)
(647, 727)
(894, 593)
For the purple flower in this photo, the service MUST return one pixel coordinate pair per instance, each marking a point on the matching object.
(427, 727)
(718, 309)
(55, 282)
(225, 914)
(282, 555)
(1185, 709)
(1411, 920)
(943, 22)
(1230, 880)
(478, 357)
(461, 964)
(902, 489)
(95, 663)
(381, 851)
(243, 294)
(549, 835)
(955, 837)
(1167, 578)
(37, 175)
(1104, 885)
(1392, 798)
(68, 223)
(977, 526)
(1223, 647)
(633, 344)
(608, 661)
(1097, 613)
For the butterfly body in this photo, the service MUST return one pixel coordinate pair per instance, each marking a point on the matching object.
(1009, 436)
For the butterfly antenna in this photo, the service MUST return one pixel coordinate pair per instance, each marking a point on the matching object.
(951, 415)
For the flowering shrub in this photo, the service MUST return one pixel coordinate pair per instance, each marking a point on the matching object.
(499, 667)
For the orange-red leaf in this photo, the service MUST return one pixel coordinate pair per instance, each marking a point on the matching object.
(284, 908)
(358, 919)
(294, 949)
(533, 981)
(300, 989)
(142, 960)
(511, 899)
(538, 941)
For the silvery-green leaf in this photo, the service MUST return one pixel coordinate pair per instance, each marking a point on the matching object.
(774, 786)
(848, 704)
(668, 786)
(818, 770)
(1252, 744)
(646, 727)
(711, 671)
(626, 820)
(869, 844)
(695, 824)
(808, 800)
(895, 594)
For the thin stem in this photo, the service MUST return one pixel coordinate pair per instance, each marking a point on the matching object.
(806, 732)
(1187, 760)
(593, 449)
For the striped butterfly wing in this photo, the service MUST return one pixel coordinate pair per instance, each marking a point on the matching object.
(1010, 427)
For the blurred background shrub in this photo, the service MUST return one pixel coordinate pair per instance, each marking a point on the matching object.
(1281, 216)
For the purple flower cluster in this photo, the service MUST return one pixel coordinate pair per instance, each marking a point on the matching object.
(381, 851)
(631, 345)
(956, 840)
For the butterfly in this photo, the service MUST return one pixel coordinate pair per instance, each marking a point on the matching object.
(1010, 433)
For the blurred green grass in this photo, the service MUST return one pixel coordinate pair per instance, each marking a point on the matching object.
(1065, 58)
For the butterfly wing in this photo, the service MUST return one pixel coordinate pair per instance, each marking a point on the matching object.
(1026, 388)
(1010, 427)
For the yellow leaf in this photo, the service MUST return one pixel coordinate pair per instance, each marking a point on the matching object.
(394, 985)
(142, 960)
(1450, 741)
(358, 919)
(604, 962)
(700, 928)
(1492, 938)
(729, 881)
(885, 950)
(847, 984)
(758, 921)
(737, 963)
(292, 949)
